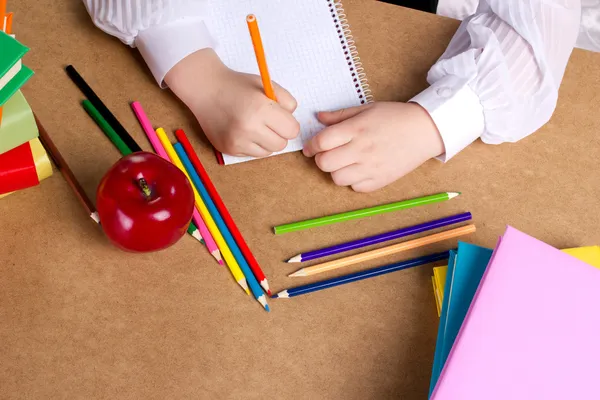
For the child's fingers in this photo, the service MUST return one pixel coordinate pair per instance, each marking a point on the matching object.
(269, 140)
(350, 175)
(335, 117)
(254, 150)
(284, 98)
(283, 123)
(337, 158)
(328, 139)
(366, 186)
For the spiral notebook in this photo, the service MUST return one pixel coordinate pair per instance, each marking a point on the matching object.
(309, 50)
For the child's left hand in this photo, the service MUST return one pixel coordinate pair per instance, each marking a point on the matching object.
(371, 146)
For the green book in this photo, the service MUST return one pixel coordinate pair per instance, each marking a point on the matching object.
(13, 74)
(18, 124)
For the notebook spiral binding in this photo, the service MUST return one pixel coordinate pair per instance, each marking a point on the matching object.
(349, 46)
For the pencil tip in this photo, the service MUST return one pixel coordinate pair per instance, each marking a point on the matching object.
(198, 236)
(298, 273)
(95, 216)
(242, 282)
(295, 259)
(265, 286)
(217, 255)
(275, 296)
(452, 195)
(221, 262)
(263, 301)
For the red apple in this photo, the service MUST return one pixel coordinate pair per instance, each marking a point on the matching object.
(144, 203)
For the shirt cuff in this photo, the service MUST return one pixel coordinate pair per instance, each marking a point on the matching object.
(163, 46)
(456, 111)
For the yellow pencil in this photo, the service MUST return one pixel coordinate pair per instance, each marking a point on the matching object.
(384, 251)
(210, 222)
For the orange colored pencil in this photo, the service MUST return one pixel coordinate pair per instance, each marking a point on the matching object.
(259, 51)
(9, 18)
(2, 14)
(384, 251)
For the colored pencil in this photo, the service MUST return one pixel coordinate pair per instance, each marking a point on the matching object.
(3, 15)
(195, 233)
(385, 251)
(158, 149)
(259, 51)
(219, 156)
(383, 237)
(66, 172)
(211, 245)
(106, 128)
(210, 223)
(357, 276)
(101, 107)
(212, 209)
(366, 212)
(214, 194)
(9, 20)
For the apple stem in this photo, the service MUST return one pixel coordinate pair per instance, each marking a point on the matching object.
(145, 188)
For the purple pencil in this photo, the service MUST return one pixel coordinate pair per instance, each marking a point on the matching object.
(383, 237)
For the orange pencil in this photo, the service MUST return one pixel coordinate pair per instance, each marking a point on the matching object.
(259, 51)
(9, 18)
(2, 15)
(385, 251)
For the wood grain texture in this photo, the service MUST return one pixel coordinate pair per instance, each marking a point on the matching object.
(80, 319)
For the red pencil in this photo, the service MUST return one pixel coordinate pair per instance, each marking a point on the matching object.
(219, 156)
(212, 191)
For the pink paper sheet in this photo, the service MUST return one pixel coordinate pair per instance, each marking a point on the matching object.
(533, 329)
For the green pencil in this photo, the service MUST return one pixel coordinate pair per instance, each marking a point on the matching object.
(125, 150)
(365, 212)
(106, 128)
(195, 232)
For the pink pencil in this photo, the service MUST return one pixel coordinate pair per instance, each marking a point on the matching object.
(159, 149)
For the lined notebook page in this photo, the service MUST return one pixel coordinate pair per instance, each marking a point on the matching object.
(303, 50)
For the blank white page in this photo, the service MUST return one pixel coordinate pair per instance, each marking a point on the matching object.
(304, 53)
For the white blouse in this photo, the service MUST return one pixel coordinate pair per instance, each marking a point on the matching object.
(498, 79)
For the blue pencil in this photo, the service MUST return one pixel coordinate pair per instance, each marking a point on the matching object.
(357, 276)
(212, 209)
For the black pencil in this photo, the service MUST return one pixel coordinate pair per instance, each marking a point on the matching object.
(104, 111)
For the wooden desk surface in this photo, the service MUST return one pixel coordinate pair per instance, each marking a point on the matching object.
(82, 320)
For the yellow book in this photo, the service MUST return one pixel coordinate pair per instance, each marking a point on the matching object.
(439, 279)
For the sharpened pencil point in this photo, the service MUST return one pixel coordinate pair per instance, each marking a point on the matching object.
(198, 236)
(274, 296)
(242, 282)
(221, 262)
(295, 259)
(452, 195)
(217, 255)
(265, 286)
(263, 301)
(296, 274)
(95, 216)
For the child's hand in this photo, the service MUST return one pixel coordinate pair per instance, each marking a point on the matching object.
(232, 108)
(371, 146)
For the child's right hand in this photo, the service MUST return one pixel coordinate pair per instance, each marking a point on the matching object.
(232, 108)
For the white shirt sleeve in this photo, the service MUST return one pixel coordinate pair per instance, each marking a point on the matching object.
(498, 79)
(164, 31)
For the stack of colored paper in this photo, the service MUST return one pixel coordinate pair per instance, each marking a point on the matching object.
(517, 322)
(23, 159)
